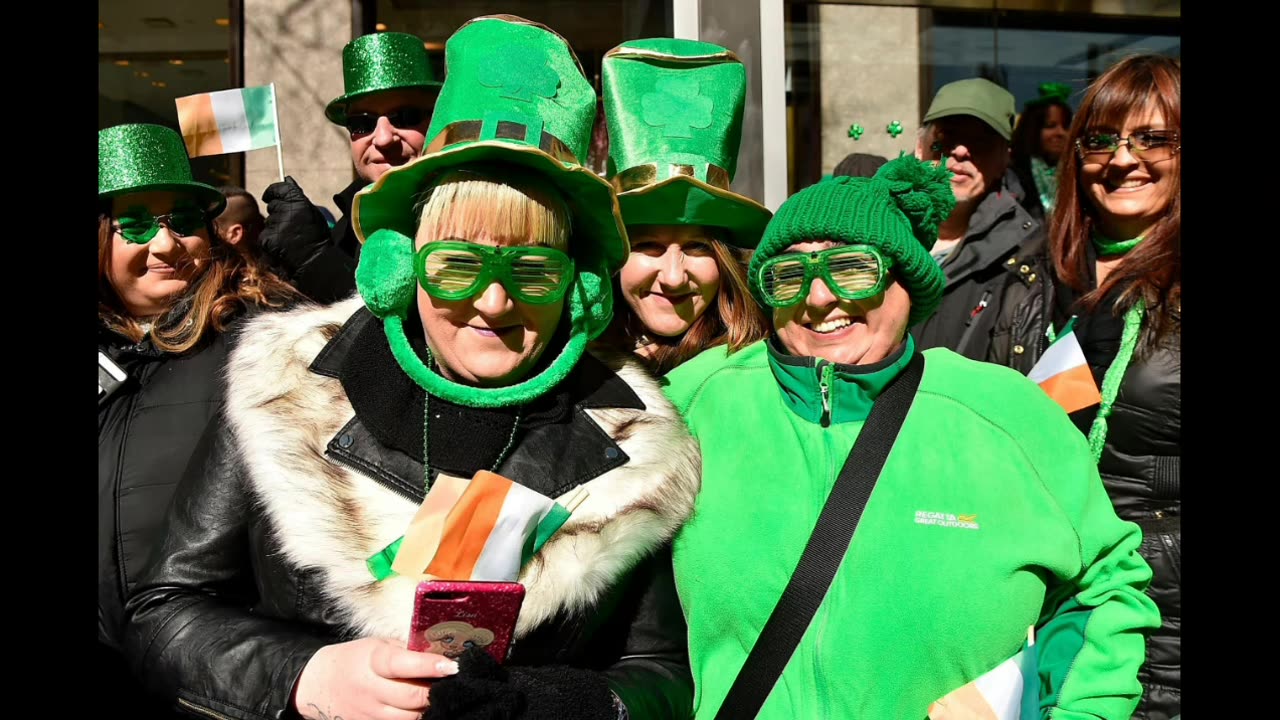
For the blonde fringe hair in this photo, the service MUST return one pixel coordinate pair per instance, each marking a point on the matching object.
(227, 285)
(511, 206)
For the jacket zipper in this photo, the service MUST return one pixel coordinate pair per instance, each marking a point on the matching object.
(362, 473)
(825, 371)
(203, 710)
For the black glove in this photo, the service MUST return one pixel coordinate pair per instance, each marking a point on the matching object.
(295, 231)
(484, 690)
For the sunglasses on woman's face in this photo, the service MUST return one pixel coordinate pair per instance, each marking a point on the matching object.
(852, 272)
(361, 124)
(457, 270)
(1152, 146)
(138, 226)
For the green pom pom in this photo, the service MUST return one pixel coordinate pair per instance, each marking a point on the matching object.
(922, 191)
(385, 273)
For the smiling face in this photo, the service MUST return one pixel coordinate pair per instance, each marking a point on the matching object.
(490, 339)
(388, 129)
(670, 278)
(1053, 134)
(849, 332)
(1131, 191)
(148, 277)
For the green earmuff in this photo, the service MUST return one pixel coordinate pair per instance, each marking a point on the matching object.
(384, 276)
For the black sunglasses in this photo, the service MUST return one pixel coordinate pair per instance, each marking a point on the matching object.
(360, 124)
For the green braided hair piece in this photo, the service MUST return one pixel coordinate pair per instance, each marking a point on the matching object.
(1111, 381)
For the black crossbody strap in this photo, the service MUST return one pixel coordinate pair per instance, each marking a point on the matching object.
(826, 548)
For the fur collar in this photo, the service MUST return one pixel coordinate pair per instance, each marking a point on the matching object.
(331, 518)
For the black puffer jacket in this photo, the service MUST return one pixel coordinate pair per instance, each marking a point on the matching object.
(320, 465)
(146, 433)
(1141, 460)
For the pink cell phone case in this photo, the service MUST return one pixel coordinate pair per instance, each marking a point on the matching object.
(451, 616)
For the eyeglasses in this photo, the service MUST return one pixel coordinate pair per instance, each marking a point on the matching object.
(361, 124)
(139, 226)
(1147, 145)
(852, 272)
(456, 270)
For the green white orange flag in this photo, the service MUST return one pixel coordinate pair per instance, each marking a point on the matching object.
(493, 529)
(229, 121)
(1064, 374)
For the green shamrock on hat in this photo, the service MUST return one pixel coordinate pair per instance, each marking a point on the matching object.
(676, 106)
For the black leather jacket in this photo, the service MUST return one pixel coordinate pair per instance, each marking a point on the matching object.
(1141, 460)
(224, 623)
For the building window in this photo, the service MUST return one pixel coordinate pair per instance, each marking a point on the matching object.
(150, 54)
(873, 65)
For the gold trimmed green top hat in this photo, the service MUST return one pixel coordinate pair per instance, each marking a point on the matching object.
(514, 95)
(674, 109)
(378, 62)
(140, 158)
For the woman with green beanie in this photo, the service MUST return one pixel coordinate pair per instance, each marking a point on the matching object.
(287, 582)
(986, 523)
(1113, 273)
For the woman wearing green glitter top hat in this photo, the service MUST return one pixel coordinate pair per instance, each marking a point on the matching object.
(1114, 263)
(484, 274)
(168, 292)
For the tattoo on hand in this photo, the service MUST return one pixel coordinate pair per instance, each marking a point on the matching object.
(323, 715)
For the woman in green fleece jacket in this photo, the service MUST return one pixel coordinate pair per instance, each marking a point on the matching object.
(988, 517)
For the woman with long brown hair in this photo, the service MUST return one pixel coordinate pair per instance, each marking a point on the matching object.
(1039, 142)
(168, 291)
(674, 111)
(1112, 276)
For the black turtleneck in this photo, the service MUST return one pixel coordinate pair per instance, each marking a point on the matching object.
(463, 440)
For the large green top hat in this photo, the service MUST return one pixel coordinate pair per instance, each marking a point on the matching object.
(382, 61)
(674, 109)
(514, 94)
(144, 158)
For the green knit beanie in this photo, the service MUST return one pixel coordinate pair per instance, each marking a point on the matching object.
(897, 211)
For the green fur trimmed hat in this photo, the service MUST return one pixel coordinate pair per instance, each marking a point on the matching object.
(898, 211)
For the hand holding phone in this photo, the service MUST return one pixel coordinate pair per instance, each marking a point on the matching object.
(451, 616)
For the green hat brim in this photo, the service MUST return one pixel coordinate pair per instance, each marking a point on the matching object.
(336, 110)
(210, 198)
(389, 202)
(684, 200)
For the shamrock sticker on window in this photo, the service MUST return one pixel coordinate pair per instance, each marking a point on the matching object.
(521, 73)
(676, 106)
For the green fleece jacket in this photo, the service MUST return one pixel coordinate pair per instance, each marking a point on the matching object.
(989, 517)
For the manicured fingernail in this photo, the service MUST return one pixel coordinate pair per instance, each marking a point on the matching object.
(447, 667)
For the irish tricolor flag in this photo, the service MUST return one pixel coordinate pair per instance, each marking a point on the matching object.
(229, 121)
(1011, 691)
(493, 529)
(1064, 374)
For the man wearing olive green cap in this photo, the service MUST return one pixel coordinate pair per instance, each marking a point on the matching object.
(967, 129)
(389, 94)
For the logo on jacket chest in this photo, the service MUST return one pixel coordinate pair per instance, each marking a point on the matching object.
(947, 520)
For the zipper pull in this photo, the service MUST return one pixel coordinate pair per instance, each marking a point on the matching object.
(824, 385)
